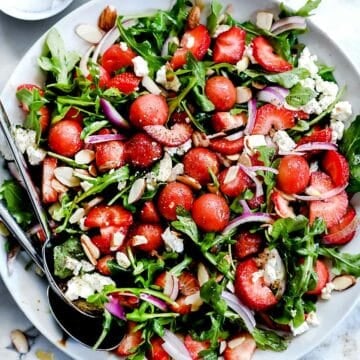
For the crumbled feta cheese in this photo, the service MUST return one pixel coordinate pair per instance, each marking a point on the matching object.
(312, 319)
(257, 275)
(325, 101)
(274, 270)
(342, 111)
(178, 169)
(24, 138)
(308, 82)
(161, 78)
(312, 107)
(314, 166)
(123, 46)
(76, 266)
(300, 329)
(179, 150)
(337, 130)
(326, 291)
(172, 241)
(284, 142)
(35, 155)
(121, 185)
(253, 141)
(326, 87)
(249, 53)
(308, 62)
(220, 29)
(122, 259)
(141, 67)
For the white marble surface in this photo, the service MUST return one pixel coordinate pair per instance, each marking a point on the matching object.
(338, 18)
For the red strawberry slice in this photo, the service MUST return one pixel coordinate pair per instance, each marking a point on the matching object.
(181, 306)
(102, 265)
(188, 283)
(102, 216)
(225, 121)
(157, 352)
(196, 41)
(247, 244)
(330, 210)
(229, 46)
(126, 82)
(344, 231)
(251, 290)
(149, 213)
(241, 347)
(318, 135)
(233, 181)
(336, 166)
(130, 342)
(269, 116)
(109, 155)
(264, 54)
(116, 57)
(195, 347)
(175, 136)
(151, 234)
(322, 273)
(227, 147)
(49, 194)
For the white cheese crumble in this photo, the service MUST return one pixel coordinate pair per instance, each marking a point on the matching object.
(242, 64)
(35, 155)
(284, 142)
(150, 180)
(337, 131)
(342, 111)
(326, 291)
(314, 166)
(24, 138)
(172, 241)
(312, 107)
(326, 87)
(312, 319)
(274, 269)
(179, 150)
(85, 285)
(161, 78)
(300, 329)
(308, 82)
(123, 46)
(253, 141)
(141, 67)
(308, 62)
(76, 266)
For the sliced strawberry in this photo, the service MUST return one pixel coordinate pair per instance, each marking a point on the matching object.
(227, 147)
(116, 57)
(127, 299)
(195, 347)
(318, 135)
(264, 54)
(130, 342)
(103, 243)
(196, 41)
(125, 82)
(177, 135)
(323, 275)
(344, 231)
(142, 151)
(49, 194)
(270, 323)
(330, 210)
(252, 290)
(336, 166)
(147, 237)
(229, 46)
(181, 306)
(102, 265)
(221, 92)
(103, 215)
(149, 213)
(74, 114)
(30, 89)
(44, 117)
(109, 155)
(256, 201)
(225, 121)
(160, 280)
(270, 116)
(233, 183)
(247, 244)
(157, 352)
(241, 347)
(188, 283)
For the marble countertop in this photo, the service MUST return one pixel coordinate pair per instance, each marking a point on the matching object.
(338, 18)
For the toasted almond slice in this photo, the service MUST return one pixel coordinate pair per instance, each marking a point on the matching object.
(194, 300)
(117, 240)
(93, 202)
(231, 174)
(165, 168)
(264, 20)
(91, 34)
(343, 282)
(188, 180)
(139, 240)
(137, 190)
(107, 18)
(58, 186)
(19, 341)
(65, 175)
(122, 259)
(243, 94)
(90, 249)
(77, 216)
(200, 139)
(202, 274)
(236, 342)
(85, 156)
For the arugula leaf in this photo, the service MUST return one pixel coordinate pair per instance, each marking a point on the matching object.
(70, 248)
(269, 340)
(290, 78)
(16, 202)
(213, 18)
(326, 72)
(282, 228)
(304, 11)
(210, 292)
(300, 95)
(187, 226)
(343, 263)
(350, 147)
(59, 62)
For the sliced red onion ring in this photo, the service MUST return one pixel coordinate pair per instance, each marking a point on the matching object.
(84, 61)
(245, 206)
(273, 94)
(259, 190)
(153, 300)
(174, 346)
(263, 168)
(235, 136)
(288, 27)
(251, 116)
(245, 313)
(171, 288)
(315, 146)
(295, 22)
(246, 218)
(108, 39)
(113, 115)
(326, 195)
(96, 139)
(114, 308)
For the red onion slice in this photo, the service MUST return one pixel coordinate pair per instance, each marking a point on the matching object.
(291, 20)
(258, 184)
(84, 61)
(114, 308)
(108, 39)
(263, 168)
(245, 206)
(273, 94)
(174, 346)
(113, 115)
(326, 195)
(171, 288)
(245, 313)
(235, 136)
(315, 146)
(154, 300)
(96, 139)
(288, 27)
(246, 218)
(251, 116)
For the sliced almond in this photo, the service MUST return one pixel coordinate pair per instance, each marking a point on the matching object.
(222, 346)
(223, 160)
(93, 170)
(93, 202)
(137, 190)
(231, 174)
(242, 64)
(232, 344)
(116, 240)
(194, 300)
(65, 175)
(165, 168)
(86, 185)
(90, 249)
(343, 282)
(58, 186)
(243, 94)
(85, 156)
(122, 259)
(258, 85)
(264, 20)
(77, 216)
(139, 240)
(19, 341)
(244, 159)
(188, 180)
(202, 274)
(107, 18)
(91, 34)
(193, 19)
(234, 157)
(200, 139)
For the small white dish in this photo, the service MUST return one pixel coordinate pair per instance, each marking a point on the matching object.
(33, 9)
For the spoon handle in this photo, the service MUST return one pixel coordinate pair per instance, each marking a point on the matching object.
(24, 172)
(19, 234)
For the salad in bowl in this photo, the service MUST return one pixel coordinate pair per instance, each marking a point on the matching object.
(197, 172)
